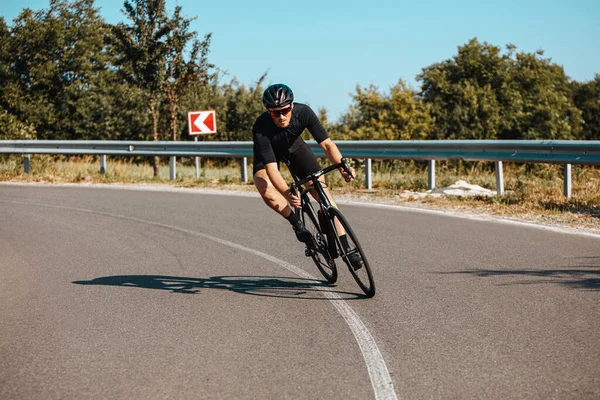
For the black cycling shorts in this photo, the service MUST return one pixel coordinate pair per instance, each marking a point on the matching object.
(302, 161)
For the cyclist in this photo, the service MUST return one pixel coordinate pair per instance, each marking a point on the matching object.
(276, 135)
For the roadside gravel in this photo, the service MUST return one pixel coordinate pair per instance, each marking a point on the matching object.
(573, 222)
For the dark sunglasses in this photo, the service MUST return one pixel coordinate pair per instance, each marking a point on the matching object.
(284, 111)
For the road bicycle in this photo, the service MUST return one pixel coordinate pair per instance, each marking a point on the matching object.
(326, 245)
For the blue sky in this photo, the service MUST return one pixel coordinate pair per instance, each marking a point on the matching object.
(324, 48)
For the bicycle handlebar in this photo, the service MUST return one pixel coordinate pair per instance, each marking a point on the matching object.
(324, 171)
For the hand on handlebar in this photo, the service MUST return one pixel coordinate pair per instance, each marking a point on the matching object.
(293, 199)
(348, 177)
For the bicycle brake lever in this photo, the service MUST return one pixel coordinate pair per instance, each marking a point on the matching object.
(293, 189)
(347, 168)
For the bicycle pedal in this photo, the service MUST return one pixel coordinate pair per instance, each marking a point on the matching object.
(309, 252)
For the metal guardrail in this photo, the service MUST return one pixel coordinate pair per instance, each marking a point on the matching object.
(564, 152)
(128, 148)
(539, 151)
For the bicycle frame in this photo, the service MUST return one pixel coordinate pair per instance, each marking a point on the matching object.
(323, 200)
(316, 185)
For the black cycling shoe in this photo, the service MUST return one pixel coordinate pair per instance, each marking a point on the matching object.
(355, 260)
(302, 234)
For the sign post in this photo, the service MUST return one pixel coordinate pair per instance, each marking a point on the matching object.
(197, 162)
(201, 123)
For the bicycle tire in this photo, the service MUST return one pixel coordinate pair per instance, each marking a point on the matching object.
(363, 276)
(320, 255)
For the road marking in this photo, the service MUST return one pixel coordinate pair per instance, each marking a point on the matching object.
(474, 217)
(340, 200)
(381, 381)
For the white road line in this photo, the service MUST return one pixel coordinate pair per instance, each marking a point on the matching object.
(382, 384)
(340, 200)
(483, 218)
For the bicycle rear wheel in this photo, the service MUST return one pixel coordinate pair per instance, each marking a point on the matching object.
(318, 250)
(361, 273)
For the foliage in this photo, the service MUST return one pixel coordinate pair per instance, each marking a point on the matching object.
(181, 72)
(542, 105)
(587, 99)
(484, 94)
(462, 93)
(236, 106)
(65, 73)
(151, 57)
(401, 115)
(243, 106)
(142, 52)
(54, 66)
(13, 129)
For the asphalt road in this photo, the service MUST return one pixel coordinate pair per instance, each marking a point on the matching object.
(126, 294)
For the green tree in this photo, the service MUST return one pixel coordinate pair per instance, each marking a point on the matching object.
(11, 128)
(401, 115)
(181, 71)
(463, 92)
(543, 99)
(587, 99)
(484, 94)
(118, 111)
(244, 105)
(56, 58)
(143, 52)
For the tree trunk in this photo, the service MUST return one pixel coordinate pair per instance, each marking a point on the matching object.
(173, 108)
(154, 131)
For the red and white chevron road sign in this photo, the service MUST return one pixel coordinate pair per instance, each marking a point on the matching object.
(202, 122)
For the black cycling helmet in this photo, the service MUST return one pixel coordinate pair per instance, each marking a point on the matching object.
(277, 95)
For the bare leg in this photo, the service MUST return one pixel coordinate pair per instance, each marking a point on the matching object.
(270, 195)
(278, 203)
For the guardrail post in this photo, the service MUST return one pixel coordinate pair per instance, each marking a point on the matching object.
(103, 164)
(499, 179)
(27, 163)
(173, 168)
(244, 163)
(567, 177)
(431, 175)
(368, 176)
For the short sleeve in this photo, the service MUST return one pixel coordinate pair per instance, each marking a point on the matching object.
(314, 126)
(264, 148)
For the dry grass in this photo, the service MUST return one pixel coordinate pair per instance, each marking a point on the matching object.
(87, 169)
(532, 191)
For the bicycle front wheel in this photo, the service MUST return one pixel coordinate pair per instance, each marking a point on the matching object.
(318, 250)
(355, 257)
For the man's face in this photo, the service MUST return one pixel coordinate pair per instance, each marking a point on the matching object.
(281, 115)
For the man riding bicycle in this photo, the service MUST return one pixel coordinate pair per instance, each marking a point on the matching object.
(276, 135)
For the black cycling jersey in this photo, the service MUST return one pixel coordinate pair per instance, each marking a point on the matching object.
(273, 144)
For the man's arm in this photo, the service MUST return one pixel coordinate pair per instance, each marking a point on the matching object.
(335, 156)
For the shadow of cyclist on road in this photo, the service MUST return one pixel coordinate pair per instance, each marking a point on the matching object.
(284, 287)
(583, 273)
